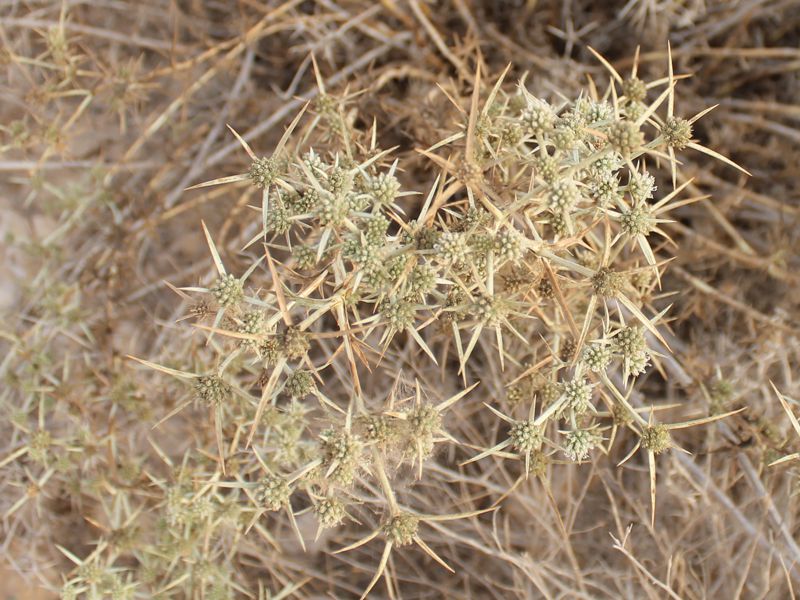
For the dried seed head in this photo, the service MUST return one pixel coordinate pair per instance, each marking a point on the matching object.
(401, 529)
(376, 428)
(325, 104)
(483, 126)
(677, 132)
(720, 393)
(606, 166)
(473, 218)
(480, 245)
(638, 363)
(519, 278)
(313, 161)
(607, 283)
(605, 190)
(376, 229)
(39, 444)
(300, 384)
(362, 252)
(339, 182)
(549, 392)
(641, 186)
(641, 278)
(200, 509)
(511, 133)
(423, 423)
(251, 323)
(295, 343)
(468, 172)
(620, 415)
(270, 350)
(515, 395)
(357, 202)
(537, 463)
(634, 110)
(567, 350)
(391, 272)
(212, 390)
(91, 572)
(423, 237)
(656, 438)
(592, 111)
(559, 224)
(631, 343)
(305, 202)
(564, 137)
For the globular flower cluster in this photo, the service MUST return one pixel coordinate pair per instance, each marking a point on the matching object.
(384, 188)
(625, 137)
(596, 357)
(630, 342)
(526, 436)
(451, 247)
(263, 171)
(273, 492)
(578, 395)
(636, 220)
(212, 389)
(228, 290)
(677, 132)
(579, 442)
(341, 452)
(330, 512)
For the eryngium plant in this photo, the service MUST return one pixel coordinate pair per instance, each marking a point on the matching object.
(330, 363)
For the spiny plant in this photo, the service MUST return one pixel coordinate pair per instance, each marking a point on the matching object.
(536, 246)
(328, 354)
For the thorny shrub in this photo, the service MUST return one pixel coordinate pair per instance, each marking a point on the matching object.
(536, 249)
